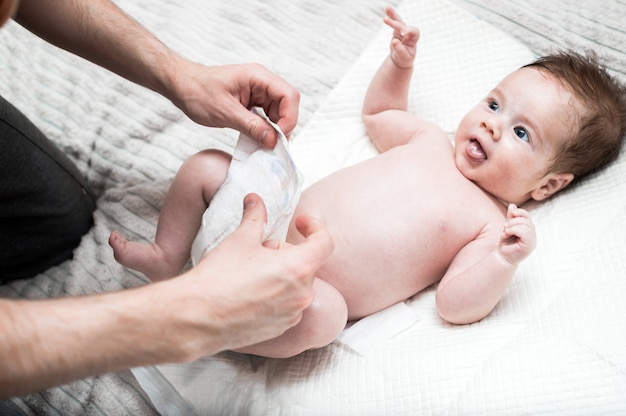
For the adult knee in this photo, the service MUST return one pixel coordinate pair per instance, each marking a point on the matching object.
(46, 204)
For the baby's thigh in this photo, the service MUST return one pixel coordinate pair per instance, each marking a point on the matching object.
(321, 322)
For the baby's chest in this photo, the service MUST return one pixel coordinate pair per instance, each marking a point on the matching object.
(428, 229)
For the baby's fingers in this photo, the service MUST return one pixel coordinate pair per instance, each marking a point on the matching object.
(513, 212)
(520, 231)
(400, 29)
(392, 15)
(517, 229)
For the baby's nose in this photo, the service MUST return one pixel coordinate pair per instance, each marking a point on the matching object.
(492, 125)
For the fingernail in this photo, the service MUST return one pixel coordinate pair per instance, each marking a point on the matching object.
(249, 202)
(263, 137)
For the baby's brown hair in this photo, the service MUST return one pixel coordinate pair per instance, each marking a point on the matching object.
(602, 123)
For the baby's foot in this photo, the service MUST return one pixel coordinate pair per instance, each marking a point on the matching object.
(148, 259)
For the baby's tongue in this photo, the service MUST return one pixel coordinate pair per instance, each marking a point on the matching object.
(476, 150)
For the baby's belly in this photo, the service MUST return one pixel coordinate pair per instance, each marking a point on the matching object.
(395, 233)
(384, 256)
(390, 268)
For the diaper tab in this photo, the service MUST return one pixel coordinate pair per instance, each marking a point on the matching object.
(371, 332)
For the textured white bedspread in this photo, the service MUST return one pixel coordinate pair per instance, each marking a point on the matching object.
(556, 343)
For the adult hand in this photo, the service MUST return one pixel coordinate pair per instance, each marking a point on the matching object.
(216, 96)
(221, 96)
(241, 293)
(244, 292)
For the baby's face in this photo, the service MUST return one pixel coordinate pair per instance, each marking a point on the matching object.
(506, 143)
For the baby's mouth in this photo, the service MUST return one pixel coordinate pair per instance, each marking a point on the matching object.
(475, 150)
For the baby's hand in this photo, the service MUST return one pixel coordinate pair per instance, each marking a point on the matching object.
(404, 41)
(518, 238)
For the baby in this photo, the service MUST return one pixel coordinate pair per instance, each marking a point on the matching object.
(423, 211)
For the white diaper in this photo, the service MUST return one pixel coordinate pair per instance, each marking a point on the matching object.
(269, 173)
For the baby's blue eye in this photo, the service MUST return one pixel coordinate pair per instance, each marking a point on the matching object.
(521, 133)
(494, 106)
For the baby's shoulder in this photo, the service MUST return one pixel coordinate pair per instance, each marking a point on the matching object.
(428, 129)
(492, 216)
(430, 135)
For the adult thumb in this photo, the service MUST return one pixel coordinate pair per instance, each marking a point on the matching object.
(257, 128)
(254, 215)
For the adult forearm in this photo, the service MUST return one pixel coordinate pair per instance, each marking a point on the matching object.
(241, 293)
(100, 32)
(44, 343)
(214, 96)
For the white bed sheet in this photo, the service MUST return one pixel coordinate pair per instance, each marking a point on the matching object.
(553, 345)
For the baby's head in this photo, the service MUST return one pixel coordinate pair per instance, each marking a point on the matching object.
(542, 127)
(601, 107)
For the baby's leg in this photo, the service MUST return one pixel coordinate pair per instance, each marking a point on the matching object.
(195, 183)
(321, 322)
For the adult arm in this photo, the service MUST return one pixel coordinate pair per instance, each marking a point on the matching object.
(216, 96)
(242, 292)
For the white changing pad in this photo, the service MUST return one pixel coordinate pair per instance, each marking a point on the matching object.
(555, 344)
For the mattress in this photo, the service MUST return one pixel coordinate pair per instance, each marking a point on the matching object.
(553, 345)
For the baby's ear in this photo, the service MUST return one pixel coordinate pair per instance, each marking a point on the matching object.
(553, 183)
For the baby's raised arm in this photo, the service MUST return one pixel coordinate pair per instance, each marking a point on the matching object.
(384, 109)
(404, 40)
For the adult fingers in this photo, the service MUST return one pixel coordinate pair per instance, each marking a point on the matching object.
(318, 242)
(283, 104)
(252, 125)
(254, 217)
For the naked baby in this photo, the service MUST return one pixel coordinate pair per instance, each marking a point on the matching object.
(424, 210)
